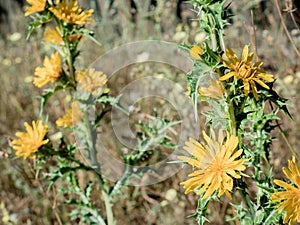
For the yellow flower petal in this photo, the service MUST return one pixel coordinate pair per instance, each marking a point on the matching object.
(92, 80)
(245, 54)
(227, 76)
(36, 6)
(72, 117)
(194, 148)
(195, 52)
(189, 160)
(232, 56)
(215, 90)
(53, 36)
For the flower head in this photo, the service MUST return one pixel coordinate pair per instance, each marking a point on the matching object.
(216, 164)
(196, 51)
(91, 80)
(70, 13)
(242, 69)
(72, 117)
(36, 6)
(29, 143)
(53, 36)
(50, 72)
(215, 90)
(290, 198)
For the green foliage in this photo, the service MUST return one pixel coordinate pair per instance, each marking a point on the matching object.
(84, 211)
(152, 134)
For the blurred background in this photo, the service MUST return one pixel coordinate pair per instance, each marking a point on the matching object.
(25, 200)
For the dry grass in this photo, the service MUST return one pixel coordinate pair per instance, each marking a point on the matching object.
(25, 198)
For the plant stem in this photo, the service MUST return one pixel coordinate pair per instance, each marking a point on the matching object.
(246, 200)
(108, 207)
(91, 139)
(70, 64)
(232, 117)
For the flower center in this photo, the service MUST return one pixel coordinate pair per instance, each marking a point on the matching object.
(245, 71)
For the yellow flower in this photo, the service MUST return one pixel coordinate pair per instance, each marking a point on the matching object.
(91, 80)
(36, 6)
(72, 117)
(242, 69)
(290, 198)
(50, 72)
(216, 163)
(215, 90)
(53, 36)
(196, 51)
(70, 13)
(29, 143)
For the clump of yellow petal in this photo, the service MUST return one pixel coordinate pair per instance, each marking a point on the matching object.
(70, 12)
(215, 90)
(72, 117)
(29, 142)
(196, 51)
(91, 80)
(75, 37)
(36, 6)
(53, 36)
(188, 90)
(290, 198)
(242, 69)
(50, 72)
(216, 163)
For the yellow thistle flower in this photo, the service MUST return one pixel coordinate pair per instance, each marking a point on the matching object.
(196, 51)
(72, 117)
(91, 80)
(242, 69)
(50, 72)
(290, 198)
(70, 13)
(53, 36)
(36, 6)
(217, 165)
(215, 90)
(29, 143)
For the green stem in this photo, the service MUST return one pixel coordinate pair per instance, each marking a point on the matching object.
(222, 43)
(108, 207)
(232, 118)
(70, 64)
(287, 142)
(246, 200)
(212, 33)
(91, 139)
(121, 180)
(292, 150)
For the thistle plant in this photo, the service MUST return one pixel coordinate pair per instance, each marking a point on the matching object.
(65, 24)
(230, 159)
(244, 108)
